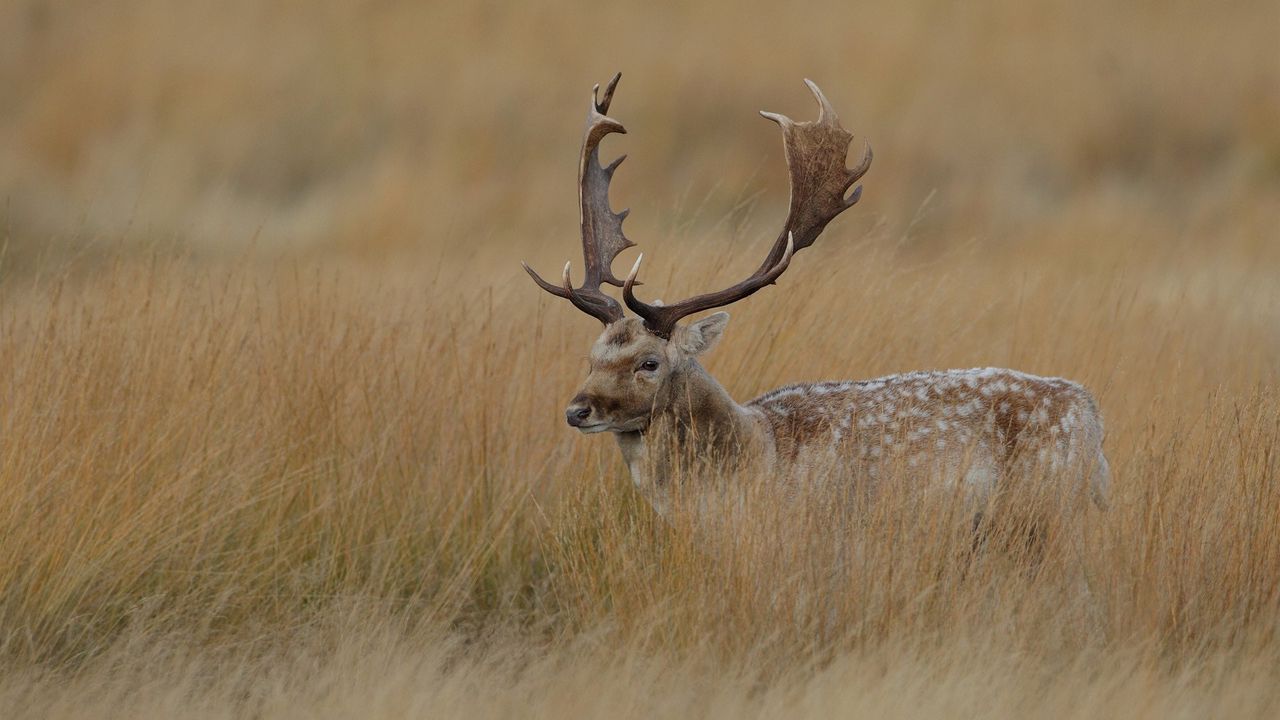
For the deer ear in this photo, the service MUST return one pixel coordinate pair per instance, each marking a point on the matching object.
(699, 337)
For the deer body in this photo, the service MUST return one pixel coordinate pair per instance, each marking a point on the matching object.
(968, 427)
(965, 429)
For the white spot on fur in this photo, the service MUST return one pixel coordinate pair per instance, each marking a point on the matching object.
(831, 388)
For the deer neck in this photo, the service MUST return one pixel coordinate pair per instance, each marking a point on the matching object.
(695, 419)
(700, 414)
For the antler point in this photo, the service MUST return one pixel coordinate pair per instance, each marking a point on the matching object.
(602, 106)
(825, 111)
(779, 118)
(631, 280)
(854, 197)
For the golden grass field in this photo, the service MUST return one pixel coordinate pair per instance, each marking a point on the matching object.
(282, 435)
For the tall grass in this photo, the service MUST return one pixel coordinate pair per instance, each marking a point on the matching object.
(228, 488)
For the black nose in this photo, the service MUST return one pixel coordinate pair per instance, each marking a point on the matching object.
(576, 415)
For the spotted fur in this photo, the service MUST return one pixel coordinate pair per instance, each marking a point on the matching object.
(974, 425)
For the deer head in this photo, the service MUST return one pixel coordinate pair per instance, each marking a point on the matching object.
(637, 362)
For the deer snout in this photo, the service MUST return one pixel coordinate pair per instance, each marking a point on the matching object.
(578, 412)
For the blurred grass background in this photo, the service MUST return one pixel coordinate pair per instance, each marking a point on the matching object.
(367, 127)
(281, 431)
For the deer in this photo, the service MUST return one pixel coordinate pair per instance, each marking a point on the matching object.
(972, 428)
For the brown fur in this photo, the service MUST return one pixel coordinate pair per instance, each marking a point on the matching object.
(966, 426)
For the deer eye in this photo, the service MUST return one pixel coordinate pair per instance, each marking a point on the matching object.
(649, 365)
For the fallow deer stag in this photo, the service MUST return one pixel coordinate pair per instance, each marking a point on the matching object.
(974, 427)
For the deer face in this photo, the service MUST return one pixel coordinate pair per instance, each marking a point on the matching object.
(632, 371)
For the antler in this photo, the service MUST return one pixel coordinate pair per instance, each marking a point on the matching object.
(602, 237)
(816, 153)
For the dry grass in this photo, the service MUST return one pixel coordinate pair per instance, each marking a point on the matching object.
(311, 490)
(327, 476)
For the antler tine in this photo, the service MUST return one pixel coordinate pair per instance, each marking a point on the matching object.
(602, 237)
(816, 152)
(826, 113)
(602, 106)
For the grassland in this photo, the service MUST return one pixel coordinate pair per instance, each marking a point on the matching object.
(280, 432)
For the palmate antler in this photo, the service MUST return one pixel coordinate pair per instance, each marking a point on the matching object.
(816, 152)
(602, 237)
